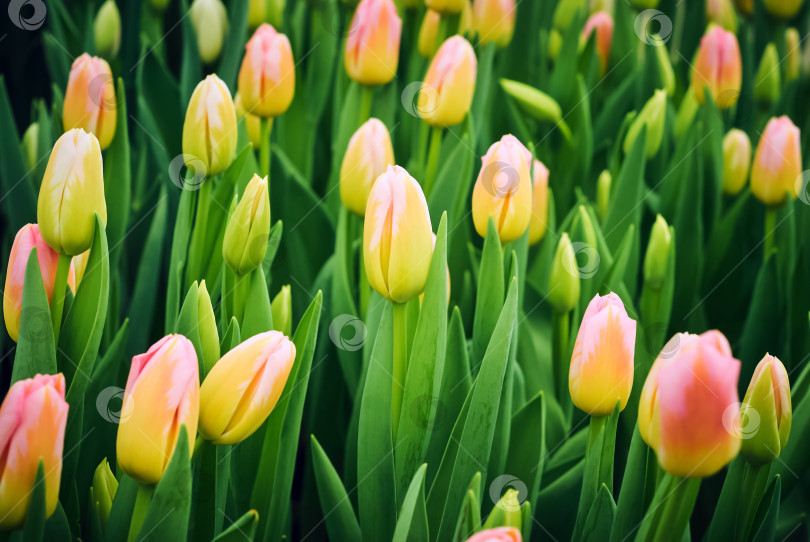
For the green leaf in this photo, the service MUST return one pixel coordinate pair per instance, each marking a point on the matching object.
(624, 208)
(188, 324)
(258, 317)
(489, 295)
(57, 528)
(412, 523)
(454, 179)
(242, 529)
(273, 241)
(231, 338)
(234, 43)
(764, 322)
(117, 528)
(177, 260)
(557, 502)
(341, 521)
(469, 516)
(630, 508)
(343, 305)
(768, 513)
(19, 200)
(210, 490)
(117, 177)
(35, 351)
(600, 517)
(34, 528)
(191, 68)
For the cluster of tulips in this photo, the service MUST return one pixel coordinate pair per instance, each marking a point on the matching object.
(478, 360)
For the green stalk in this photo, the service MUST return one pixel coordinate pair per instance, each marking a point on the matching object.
(366, 94)
(441, 31)
(755, 482)
(559, 349)
(770, 223)
(264, 146)
(196, 248)
(400, 369)
(421, 149)
(240, 289)
(433, 158)
(668, 515)
(59, 286)
(142, 500)
(364, 286)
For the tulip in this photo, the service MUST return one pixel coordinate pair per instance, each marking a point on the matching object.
(103, 491)
(494, 21)
(257, 13)
(684, 412)
(446, 94)
(445, 6)
(26, 239)
(107, 29)
(372, 47)
(162, 393)
(499, 534)
(210, 21)
(537, 224)
(465, 22)
(367, 157)
(507, 512)
(80, 265)
(209, 131)
(72, 192)
(777, 162)
(565, 11)
(721, 12)
(248, 229)
(428, 33)
(784, 9)
(602, 363)
(32, 429)
(397, 237)
(767, 81)
(656, 260)
(563, 284)
(603, 184)
(90, 99)
(745, 7)
(602, 23)
(503, 190)
(652, 115)
(736, 161)
(244, 386)
(252, 122)
(207, 324)
(793, 57)
(281, 310)
(267, 75)
(766, 412)
(30, 142)
(719, 67)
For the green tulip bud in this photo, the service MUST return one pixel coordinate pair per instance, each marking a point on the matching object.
(658, 250)
(107, 30)
(103, 491)
(210, 21)
(686, 113)
(507, 512)
(158, 6)
(767, 82)
(652, 115)
(793, 56)
(582, 227)
(563, 284)
(564, 14)
(209, 337)
(554, 43)
(766, 412)
(30, 142)
(248, 229)
(281, 308)
(721, 12)
(736, 161)
(536, 103)
(603, 193)
(784, 9)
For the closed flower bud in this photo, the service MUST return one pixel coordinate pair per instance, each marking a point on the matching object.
(27, 239)
(447, 92)
(248, 229)
(158, 5)
(209, 131)
(777, 162)
(602, 23)
(367, 157)
(783, 8)
(718, 67)
(601, 371)
(90, 99)
(397, 237)
(659, 249)
(766, 412)
(535, 102)
(107, 29)
(445, 6)
(33, 417)
(652, 115)
(210, 21)
(252, 122)
(428, 33)
(30, 142)
(267, 75)
(207, 326)
(372, 47)
(257, 13)
(537, 224)
(72, 192)
(554, 42)
(793, 56)
(494, 21)
(688, 408)
(736, 161)
(498, 534)
(563, 283)
(507, 512)
(767, 82)
(503, 190)
(565, 11)
(745, 7)
(244, 386)
(721, 12)
(603, 184)
(104, 488)
(162, 394)
(465, 22)
(281, 309)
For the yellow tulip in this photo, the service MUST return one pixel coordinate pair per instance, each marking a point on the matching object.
(447, 92)
(267, 75)
(209, 131)
(494, 20)
(537, 224)
(367, 157)
(372, 47)
(736, 161)
(777, 162)
(248, 229)
(252, 122)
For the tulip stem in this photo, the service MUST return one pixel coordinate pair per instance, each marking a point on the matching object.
(59, 287)
(770, 223)
(264, 146)
(559, 347)
(670, 510)
(366, 93)
(142, 500)
(755, 481)
(433, 158)
(240, 288)
(400, 369)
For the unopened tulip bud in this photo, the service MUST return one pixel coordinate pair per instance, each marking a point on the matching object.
(445, 6)
(27, 239)
(652, 115)
(494, 21)
(267, 75)
(507, 512)
(784, 9)
(90, 99)
(688, 408)
(793, 56)
(498, 534)
(768, 81)
(736, 161)
(397, 237)
(72, 192)
(248, 229)
(659, 248)
(107, 29)
(209, 131)
(367, 157)
(372, 47)
(503, 190)
(536, 102)
(554, 42)
(244, 386)
(162, 394)
(718, 67)
(257, 13)
(33, 417)
(766, 412)
(428, 33)
(209, 337)
(447, 92)
(563, 283)
(601, 372)
(745, 7)
(465, 22)
(210, 21)
(30, 142)
(602, 23)
(565, 11)
(603, 184)
(777, 162)
(252, 122)
(158, 5)
(537, 224)
(281, 309)
(721, 12)
(104, 488)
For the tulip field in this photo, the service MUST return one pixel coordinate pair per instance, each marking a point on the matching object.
(405, 270)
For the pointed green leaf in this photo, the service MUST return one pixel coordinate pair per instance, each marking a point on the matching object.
(338, 513)
(35, 348)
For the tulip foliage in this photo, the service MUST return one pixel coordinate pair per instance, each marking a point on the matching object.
(437, 270)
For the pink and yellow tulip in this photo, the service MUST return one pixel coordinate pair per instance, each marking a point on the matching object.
(777, 162)
(90, 99)
(494, 21)
(367, 157)
(447, 92)
(602, 23)
(537, 224)
(718, 67)
(498, 534)
(766, 412)
(267, 76)
(372, 47)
